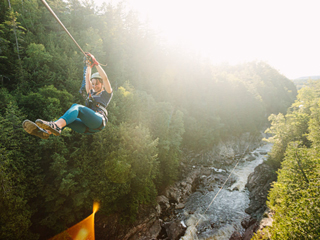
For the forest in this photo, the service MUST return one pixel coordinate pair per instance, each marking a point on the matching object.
(167, 100)
(294, 197)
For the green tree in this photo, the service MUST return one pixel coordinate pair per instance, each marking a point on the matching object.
(16, 170)
(293, 197)
(135, 163)
(285, 129)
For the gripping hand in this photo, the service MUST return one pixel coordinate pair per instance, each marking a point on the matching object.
(91, 61)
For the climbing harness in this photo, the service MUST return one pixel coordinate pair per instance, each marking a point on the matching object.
(222, 186)
(93, 103)
(102, 108)
(55, 16)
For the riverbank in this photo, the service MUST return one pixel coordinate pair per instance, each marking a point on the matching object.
(218, 217)
(202, 174)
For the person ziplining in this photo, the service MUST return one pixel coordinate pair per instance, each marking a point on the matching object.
(87, 119)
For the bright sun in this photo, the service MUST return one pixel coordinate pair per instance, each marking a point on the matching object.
(281, 33)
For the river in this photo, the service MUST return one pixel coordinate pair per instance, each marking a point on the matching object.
(226, 212)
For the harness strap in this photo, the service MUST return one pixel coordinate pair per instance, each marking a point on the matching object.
(99, 105)
(99, 108)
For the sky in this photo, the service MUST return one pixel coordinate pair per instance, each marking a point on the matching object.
(283, 33)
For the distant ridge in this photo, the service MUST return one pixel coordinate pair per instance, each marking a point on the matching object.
(307, 78)
(301, 81)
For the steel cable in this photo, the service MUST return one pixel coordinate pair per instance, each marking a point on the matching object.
(55, 16)
(222, 186)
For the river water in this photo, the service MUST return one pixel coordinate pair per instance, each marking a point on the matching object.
(226, 212)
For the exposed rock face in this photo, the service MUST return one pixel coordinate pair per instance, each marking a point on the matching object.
(250, 231)
(174, 229)
(247, 222)
(250, 157)
(252, 226)
(163, 202)
(259, 183)
(174, 198)
(236, 236)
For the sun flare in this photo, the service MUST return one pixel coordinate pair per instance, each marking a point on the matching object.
(238, 31)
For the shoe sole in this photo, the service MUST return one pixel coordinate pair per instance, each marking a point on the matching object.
(33, 129)
(41, 124)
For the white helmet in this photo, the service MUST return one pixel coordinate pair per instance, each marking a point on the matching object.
(96, 75)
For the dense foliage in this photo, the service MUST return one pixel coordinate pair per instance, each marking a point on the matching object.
(165, 99)
(294, 197)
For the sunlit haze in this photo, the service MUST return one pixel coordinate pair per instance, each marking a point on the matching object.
(282, 33)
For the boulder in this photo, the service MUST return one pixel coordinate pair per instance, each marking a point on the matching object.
(229, 161)
(183, 184)
(248, 234)
(247, 222)
(174, 229)
(265, 222)
(250, 158)
(207, 171)
(263, 153)
(173, 194)
(259, 184)
(236, 236)
(180, 206)
(163, 201)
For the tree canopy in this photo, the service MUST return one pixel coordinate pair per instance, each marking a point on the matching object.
(294, 197)
(166, 100)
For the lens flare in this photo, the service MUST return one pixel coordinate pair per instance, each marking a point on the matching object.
(82, 234)
(96, 207)
(83, 230)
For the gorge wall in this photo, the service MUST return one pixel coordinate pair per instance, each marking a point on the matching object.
(207, 169)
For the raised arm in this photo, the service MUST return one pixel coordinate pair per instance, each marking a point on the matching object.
(105, 79)
(88, 82)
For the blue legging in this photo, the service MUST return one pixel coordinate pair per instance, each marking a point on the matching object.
(83, 119)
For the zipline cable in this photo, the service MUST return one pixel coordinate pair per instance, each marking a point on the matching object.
(222, 186)
(55, 16)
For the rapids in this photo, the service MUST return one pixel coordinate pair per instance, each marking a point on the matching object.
(226, 212)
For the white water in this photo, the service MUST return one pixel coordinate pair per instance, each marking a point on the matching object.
(224, 216)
